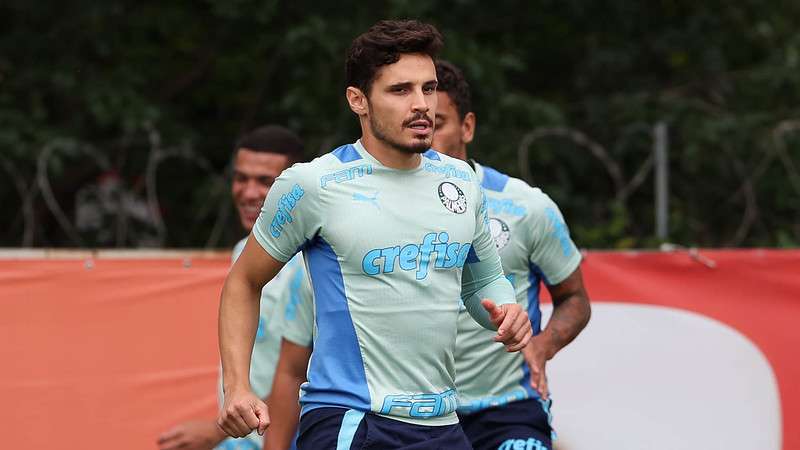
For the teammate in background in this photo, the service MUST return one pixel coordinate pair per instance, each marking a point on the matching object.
(392, 233)
(504, 402)
(259, 157)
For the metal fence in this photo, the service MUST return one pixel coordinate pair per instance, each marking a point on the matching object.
(129, 210)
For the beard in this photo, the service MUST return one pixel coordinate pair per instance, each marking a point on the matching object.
(382, 133)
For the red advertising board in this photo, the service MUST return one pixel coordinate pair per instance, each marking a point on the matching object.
(108, 352)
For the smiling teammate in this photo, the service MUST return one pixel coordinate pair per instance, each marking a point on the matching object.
(259, 157)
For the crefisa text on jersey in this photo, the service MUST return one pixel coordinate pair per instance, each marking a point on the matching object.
(449, 255)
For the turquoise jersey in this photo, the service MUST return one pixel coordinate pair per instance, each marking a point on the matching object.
(534, 246)
(388, 252)
(282, 301)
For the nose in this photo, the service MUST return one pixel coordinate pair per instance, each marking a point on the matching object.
(420, 102)
(252, 190)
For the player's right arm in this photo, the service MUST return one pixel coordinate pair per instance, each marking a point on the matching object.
(242, 410)
(283, 401)
(289, 219)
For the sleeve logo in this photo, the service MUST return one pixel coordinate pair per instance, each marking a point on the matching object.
(283, 215)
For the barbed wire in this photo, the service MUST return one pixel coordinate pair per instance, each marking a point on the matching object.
(750, 214)
(775, 151)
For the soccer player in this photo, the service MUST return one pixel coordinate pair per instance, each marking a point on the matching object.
(259, 157)
(504, 402)
(392, 232)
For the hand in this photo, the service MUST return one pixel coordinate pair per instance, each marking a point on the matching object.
(513, 325)
(242, 413)
(535, 354)
(193, 435)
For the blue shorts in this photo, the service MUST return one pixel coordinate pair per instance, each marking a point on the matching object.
(346, 429)
(524, 424)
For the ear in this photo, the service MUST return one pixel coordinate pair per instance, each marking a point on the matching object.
(468, 128)
(357, 100)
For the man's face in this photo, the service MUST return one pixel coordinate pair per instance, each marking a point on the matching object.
(402, 103)
(253, 175)
(452, 134)
(447, 138)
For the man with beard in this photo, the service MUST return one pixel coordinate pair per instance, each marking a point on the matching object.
(259, 157)
(393, 233)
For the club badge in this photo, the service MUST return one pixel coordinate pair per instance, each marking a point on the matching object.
(452, 197)
(500, 232)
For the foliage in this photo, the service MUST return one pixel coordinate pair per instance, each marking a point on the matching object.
(113, 76)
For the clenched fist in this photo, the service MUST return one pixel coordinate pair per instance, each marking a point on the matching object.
(242, 412)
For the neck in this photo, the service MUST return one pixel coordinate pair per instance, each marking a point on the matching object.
(388, 155)
(461, 153)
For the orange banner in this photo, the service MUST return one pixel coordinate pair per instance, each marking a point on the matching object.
(109, 353)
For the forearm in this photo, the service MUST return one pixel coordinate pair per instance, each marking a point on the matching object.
(485, 279)
(284, 411)
(570, 316)
(238, 323)
(500, 291)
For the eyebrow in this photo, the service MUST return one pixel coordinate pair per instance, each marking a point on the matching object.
(251, 175)
(408, 84)
(401, 85)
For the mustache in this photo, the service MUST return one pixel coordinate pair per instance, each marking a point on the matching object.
(416, 117)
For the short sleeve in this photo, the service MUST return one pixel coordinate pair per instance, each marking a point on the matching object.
(291, 213)
(553, 253)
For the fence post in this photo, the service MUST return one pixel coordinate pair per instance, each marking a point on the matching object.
(660, 152)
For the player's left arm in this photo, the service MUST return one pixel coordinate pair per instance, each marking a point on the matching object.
(558, 259)
(485, 291)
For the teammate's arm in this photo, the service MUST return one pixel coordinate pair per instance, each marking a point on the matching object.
(192, 435)
(558, 259)
(242, 410)
(283, 401)
(571, 312)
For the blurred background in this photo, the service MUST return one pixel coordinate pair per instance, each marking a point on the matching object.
(117, 118)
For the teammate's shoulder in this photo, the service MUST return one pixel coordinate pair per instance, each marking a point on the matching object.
(515, 189)
(493, 179)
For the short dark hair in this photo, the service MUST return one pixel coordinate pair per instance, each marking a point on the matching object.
(453, 83)
(272, 139)
(383, 44)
